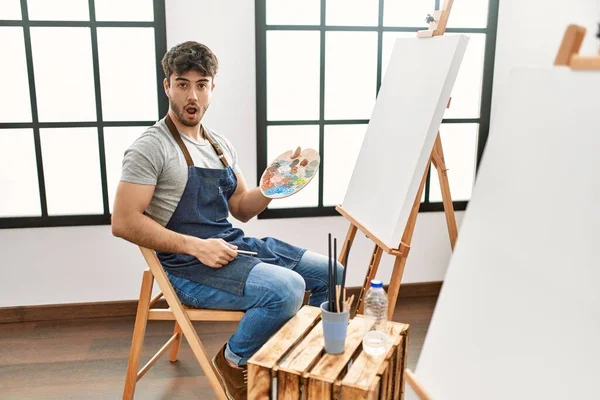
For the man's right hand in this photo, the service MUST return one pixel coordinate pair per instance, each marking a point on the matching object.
(214, 253)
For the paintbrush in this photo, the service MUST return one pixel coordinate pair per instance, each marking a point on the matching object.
(349, 302)
(250, 253)
(335, 270)
(329, 279)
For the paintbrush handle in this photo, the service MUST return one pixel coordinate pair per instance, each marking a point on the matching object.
(250, 253)
(349, 302)
(330, 287)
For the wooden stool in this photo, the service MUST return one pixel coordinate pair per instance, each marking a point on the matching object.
(182, 316)
(295, 356)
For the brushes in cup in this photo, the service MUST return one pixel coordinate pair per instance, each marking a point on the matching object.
(337, 301)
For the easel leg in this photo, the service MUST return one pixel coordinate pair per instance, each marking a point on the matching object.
(347, 243)
(394, 287)
(440, 165)
(371, 272)
(414, 213)
(139, 331)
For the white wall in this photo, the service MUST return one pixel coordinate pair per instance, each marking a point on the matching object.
(85, 264)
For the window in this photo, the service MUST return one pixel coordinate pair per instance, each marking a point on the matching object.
(82, 81)
(304, 86)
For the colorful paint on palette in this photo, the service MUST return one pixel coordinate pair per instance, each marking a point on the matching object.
(285, 176)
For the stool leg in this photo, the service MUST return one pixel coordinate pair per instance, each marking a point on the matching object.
(176, 343)
(139, 331)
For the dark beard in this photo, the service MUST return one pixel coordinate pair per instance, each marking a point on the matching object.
(179, 114)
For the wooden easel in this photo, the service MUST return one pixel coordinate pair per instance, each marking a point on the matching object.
(568, 53)
(437, 27)
(567, 56)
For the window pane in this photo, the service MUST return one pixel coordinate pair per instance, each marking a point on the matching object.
(468, 14)
(408, 13)
(127, 95)
(10, 9)
(293, 12)
(352, 12)
(62, 65)
(116, 141)
(387, 47)
(119, 10)
(350, 74)
(342, 145)
(72, 171)
(283, 138)
(466, 93)
(15, 105)
(58, 10)
(18, 174)
(459, 142)
(293, 70)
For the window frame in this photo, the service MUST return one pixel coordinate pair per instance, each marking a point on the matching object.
(261, 29)
(160, 45)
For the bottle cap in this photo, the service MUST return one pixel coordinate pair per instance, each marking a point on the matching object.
(375, 283)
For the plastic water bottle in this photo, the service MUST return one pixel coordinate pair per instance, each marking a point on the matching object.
(376, 311)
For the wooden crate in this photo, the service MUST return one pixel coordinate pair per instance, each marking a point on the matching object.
(293, 364)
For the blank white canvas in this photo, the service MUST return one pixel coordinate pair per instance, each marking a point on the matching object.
(401, 133)
(518, 316)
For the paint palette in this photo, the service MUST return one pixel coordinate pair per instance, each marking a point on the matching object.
(286, 175)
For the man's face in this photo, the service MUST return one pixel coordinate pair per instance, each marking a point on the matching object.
(189, 96)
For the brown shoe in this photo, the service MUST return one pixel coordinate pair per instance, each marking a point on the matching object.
(234, 379)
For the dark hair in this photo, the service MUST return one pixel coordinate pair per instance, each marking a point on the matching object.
(190, 56)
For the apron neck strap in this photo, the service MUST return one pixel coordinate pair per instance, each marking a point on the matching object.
(186, 153)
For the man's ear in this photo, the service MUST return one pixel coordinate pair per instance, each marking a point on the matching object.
(166, 86)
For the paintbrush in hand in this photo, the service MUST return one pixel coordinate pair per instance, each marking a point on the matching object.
(250, 253)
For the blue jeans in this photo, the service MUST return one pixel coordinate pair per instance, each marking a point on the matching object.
(272, 295)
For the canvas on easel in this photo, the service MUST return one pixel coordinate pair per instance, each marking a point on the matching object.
(519, 314)
(402, 140)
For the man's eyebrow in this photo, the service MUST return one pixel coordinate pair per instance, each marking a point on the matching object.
(187, 80)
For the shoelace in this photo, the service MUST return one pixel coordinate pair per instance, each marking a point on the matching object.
(245, 372)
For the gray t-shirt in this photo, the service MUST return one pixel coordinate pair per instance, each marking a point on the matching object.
(156, 159)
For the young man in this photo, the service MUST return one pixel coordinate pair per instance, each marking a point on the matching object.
(179, 183)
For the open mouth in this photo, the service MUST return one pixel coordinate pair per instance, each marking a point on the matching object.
(191, 110)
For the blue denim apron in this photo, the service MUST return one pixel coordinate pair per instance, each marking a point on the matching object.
(202, 212)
